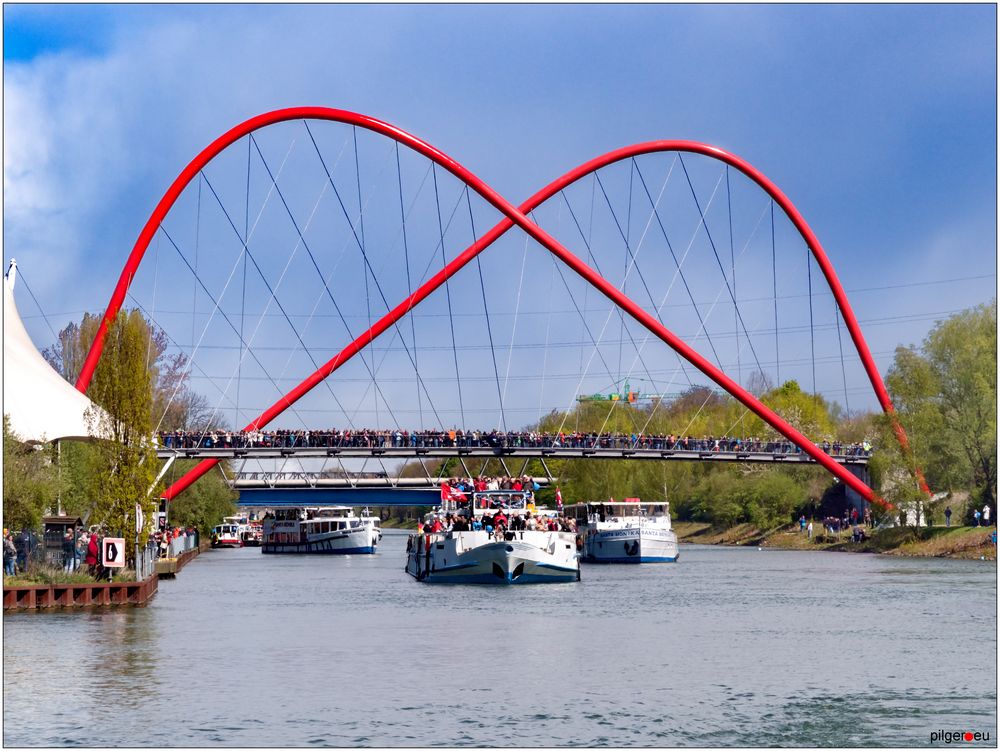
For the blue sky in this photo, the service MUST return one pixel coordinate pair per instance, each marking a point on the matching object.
(879, 122)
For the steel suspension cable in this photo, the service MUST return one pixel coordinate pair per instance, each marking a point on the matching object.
(670, 247)
(197, 241)
(812, 330)
(45, 318)
(597, 267)
(486, 309)
(149, 315)
(243, 295)
(545, 350)
(361, 227)
(368, 266)
(679, 272)
(715, 252)
(273, 290)
(218, 309)
(315, 264)
(596, 350)
(732, 266)
(517, 309)
(156, 274)
(447, 289)
(630, 262)
(840, 345)
(774, 290)
(409, 284)
(715, 302)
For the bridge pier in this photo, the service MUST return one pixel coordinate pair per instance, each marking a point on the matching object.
(853, 497)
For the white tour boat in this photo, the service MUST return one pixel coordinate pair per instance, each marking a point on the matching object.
(374, 522)
(332, 530)
(487, 556)
(626, 531)
(226, 536)
(252, 534)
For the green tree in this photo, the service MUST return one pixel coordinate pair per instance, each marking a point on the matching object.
(205, 503)
(124, 452)
(810, 414)
(30, 481)
(945, 395)
(175, 406)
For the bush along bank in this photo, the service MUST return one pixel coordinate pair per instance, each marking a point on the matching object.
(974, 543)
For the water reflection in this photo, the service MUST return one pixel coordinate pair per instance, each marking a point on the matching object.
(729, 647)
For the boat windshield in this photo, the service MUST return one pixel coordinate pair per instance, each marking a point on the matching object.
(509, 500)
(613, 510)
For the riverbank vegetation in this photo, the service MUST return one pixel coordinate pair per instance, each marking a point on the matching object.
(944, 392)
(103, 481)
(941, 542)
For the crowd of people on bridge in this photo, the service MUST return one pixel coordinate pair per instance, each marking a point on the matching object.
(366, 438)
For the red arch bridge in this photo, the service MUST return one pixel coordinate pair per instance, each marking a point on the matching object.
(337, 275)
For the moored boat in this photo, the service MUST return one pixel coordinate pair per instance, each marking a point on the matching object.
(626, 531)
(482, 546)
(333, 530)
(252, 534)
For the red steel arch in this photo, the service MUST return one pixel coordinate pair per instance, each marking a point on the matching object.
(513, 216)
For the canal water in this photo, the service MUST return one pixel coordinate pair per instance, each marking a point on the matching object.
(730, 646)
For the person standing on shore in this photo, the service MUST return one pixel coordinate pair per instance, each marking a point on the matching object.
(809, 530)
(91, 559)
(986, 515)
(947, 516)
(9, 554)
(977, 516)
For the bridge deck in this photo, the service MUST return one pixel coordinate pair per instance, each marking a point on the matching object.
(485, 452)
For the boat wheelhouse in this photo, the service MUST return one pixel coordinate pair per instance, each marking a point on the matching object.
(226, 535)
(332, 530)
(626, 531)
(483, 548)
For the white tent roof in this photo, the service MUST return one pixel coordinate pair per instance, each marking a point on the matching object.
(41, 404)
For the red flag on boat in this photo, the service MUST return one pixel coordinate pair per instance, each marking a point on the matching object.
(445, 491)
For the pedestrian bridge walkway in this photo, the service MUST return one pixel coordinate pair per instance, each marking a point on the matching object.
(767, 454)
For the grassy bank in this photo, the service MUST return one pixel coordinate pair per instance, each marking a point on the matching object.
(939, 542)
